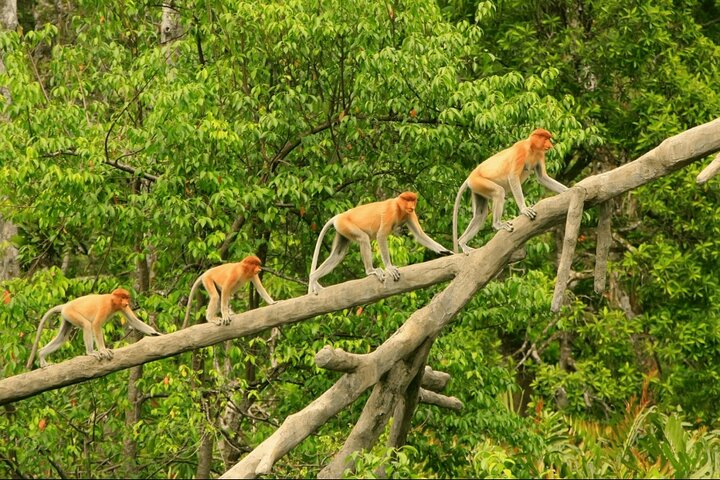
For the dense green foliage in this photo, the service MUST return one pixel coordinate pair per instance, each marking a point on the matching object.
(124, 162)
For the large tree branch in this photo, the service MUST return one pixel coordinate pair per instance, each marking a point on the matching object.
(332, 298)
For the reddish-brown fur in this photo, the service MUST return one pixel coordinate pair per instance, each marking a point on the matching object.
(90, 314)
(364, 223)
(228, 278)
(505, 171)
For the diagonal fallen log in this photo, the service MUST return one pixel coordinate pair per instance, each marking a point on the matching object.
(478, 269)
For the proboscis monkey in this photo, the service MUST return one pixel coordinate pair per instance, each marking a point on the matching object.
(504, 171)
(89, 313)
(372, 221)
(228, 278)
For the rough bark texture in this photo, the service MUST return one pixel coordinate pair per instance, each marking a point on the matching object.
(8, 252)
(8, 14)
(432, 398)
(170, 27)
(378, 410)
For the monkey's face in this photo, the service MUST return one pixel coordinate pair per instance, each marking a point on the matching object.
(409, 206)
(541, 142)
(120, 302)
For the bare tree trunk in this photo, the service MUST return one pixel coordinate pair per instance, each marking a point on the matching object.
(8, 14)
(170, 29)
(132, 416)
(135, 397)
(205, 454)
(8, 252)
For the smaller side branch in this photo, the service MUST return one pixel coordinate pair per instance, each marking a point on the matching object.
(432, 398)
(434, 380)
(572, 227)
(339, 360)
(710, 171)
(604, 240)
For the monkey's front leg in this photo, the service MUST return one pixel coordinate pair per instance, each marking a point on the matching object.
(102, 353)
(517, 192)
(391, 269)
(366, 254)
(529, 212)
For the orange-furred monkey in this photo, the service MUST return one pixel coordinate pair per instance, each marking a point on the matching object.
(228, 278)
(370, 222)
(504, 171)
(89, 313)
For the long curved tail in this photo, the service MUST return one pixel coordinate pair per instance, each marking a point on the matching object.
(458, 197)
(190, 299)
(316, 253)
(44, 318)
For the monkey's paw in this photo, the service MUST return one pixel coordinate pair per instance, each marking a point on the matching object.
(507, 226)
(529, 212)
(378, 273)
(315, 288)
(103, 354)
(393, 272)
(467, 250)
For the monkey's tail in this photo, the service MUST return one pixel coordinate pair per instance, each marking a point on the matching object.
(190, 299)
(30, 361)
(316, 253)
(456, 207)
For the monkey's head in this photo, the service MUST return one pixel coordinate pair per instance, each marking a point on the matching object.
(540, 139)
(252, 265)
(407, 202)
(120, 299)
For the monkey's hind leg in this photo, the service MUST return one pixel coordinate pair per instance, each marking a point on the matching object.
(480, 211)
(93, 330)
(339, 249)
(213, 302)
(62, 337)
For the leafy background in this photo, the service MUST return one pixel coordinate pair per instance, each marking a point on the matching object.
(128, 161)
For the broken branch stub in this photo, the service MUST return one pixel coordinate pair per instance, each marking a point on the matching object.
(434, 380)
(338, 359)
(437, 399)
